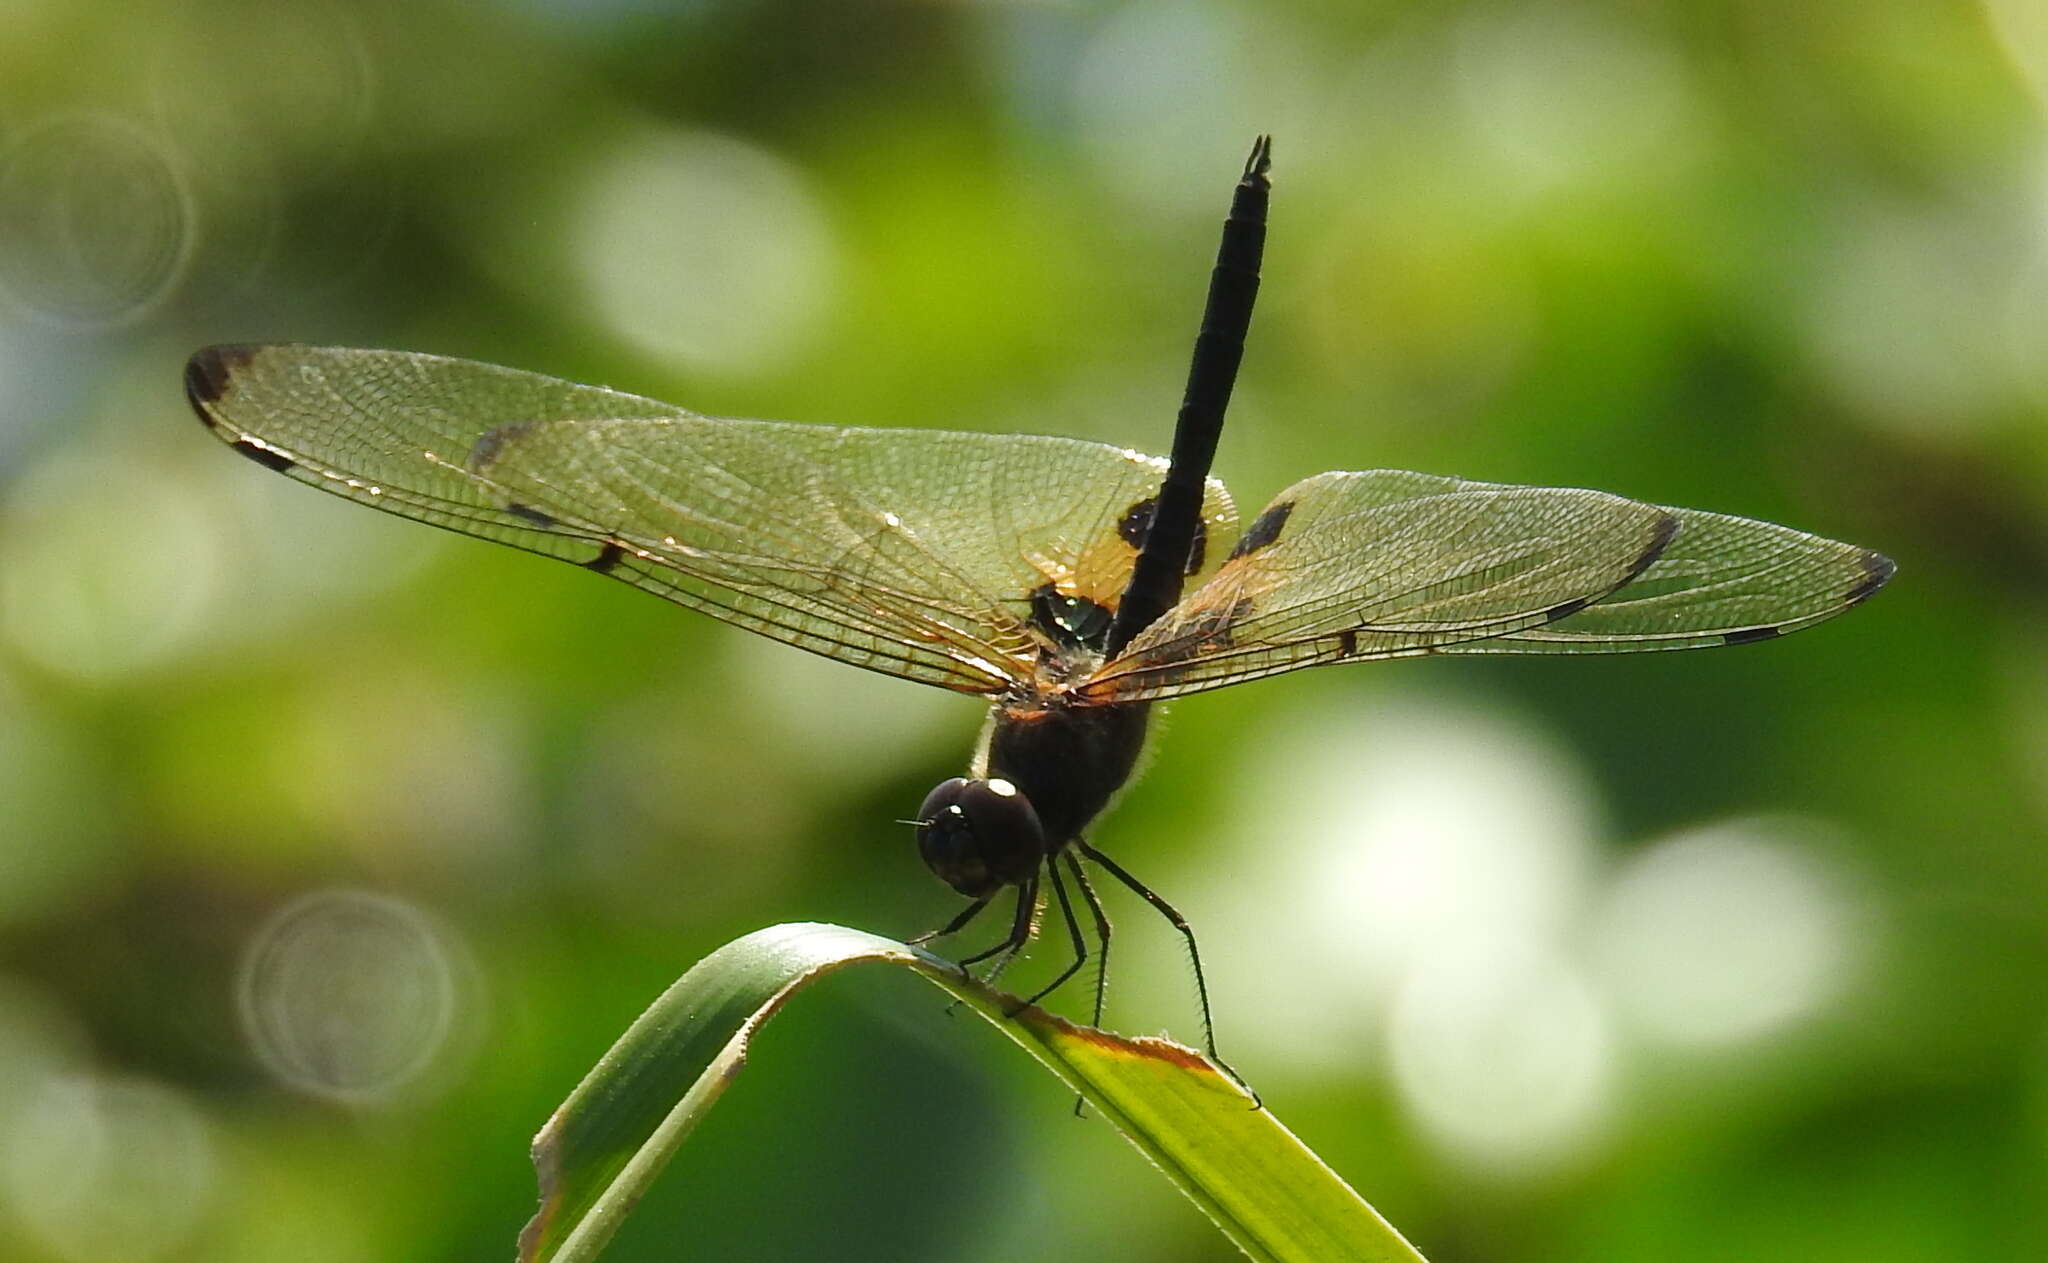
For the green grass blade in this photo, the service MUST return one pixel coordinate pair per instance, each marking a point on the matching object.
(602, 1149)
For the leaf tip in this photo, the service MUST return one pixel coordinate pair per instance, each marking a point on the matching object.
(547, 1166)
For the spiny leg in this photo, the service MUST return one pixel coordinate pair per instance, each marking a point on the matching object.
(1101, 915)
(1020, 930)
(1021, 933)
(1102, 934)
(957, 924)
(1187, 932)
(1059, 889)
(954, 926)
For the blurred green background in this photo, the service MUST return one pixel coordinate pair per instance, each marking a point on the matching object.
(333, 850)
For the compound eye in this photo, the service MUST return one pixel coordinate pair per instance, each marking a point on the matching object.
(979, 835)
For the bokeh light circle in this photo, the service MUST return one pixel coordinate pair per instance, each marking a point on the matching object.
(106, 566)
(96, 220)
(103, 1170)
(1507, 1064)
(1725, 934)
(349, 995)
(702, 248)
(1474, 827)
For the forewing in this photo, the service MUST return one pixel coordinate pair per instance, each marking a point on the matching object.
(1353, 566)
(909, 552)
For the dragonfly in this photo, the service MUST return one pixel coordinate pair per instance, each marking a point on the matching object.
(1070, 584)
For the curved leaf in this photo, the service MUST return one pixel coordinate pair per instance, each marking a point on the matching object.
(602, 1149)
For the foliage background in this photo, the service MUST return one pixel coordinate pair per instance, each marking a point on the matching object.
(332, 850)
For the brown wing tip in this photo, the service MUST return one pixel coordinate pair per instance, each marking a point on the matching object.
(208, 375)
(1877, 571)
(209, 372)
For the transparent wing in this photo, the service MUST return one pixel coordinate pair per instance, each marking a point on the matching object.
(1723, 581)
(1713, 580)
(909, 552)
(1351, 566)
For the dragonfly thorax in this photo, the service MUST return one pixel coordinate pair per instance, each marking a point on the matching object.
(980, 835)
(1068, 758)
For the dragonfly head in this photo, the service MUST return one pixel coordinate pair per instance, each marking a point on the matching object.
(980, 835)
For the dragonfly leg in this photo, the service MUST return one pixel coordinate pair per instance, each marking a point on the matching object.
(1187, 932)
(1019, 935)
(1059, 890)
(1095, 909)
(954, 926)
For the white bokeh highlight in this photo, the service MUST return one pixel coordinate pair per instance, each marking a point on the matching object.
(106, 567)
(1505, 1061)
(1452, 919)
(1161, 90)
(1389, 827)
(702, 249)
(1726, 934)
(108, 1170)
(1909, 319)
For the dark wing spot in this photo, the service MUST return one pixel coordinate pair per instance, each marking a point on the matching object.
(1263, 530)
(1750, 635)
(263, 456)
(1660, 539)
(207, 374)
(530, 514)
(1347, 643)
(607, 559)
(1071, 622)
(493, 441)
(1877, 571)
(1136, 524)
(1565, 609)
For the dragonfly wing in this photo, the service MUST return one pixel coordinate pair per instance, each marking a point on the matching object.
(1353, 566)
(1723, 581)
(909, 552)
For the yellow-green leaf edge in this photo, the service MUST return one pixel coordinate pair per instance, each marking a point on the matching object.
(602, 1149)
